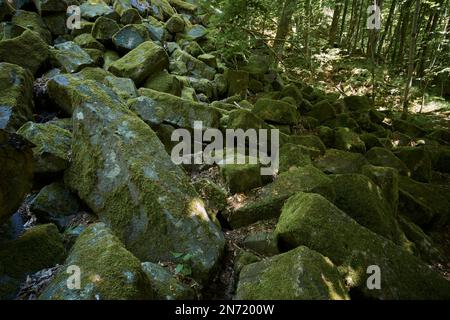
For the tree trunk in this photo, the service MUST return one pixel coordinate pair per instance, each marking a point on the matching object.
(284, 23)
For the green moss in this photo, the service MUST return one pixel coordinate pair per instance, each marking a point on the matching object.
(32, 21)
(269, 202)
(292, 155)
(242, 177)
(418, 162)
(130, 37)
(164, 82)
(276, 111)
(340, 162)
(108, 270)
(104, 29)
(53, 143)
(310, 220)
(301, 274)
(385, 158)
(193, 66)
(347, 140)
(357, 103)
(322, 111)
(27, 50)
(87, 41)
(16, 96)
(38, 248)
(70, 57)
(141, 62)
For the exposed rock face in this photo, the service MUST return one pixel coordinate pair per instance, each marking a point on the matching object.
(121, 170)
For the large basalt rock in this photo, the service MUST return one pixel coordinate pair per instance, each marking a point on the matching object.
(122, 172)
(276, 111)
(16, 172)
(108, 271)
(385, 158)
(194, 67)
(70, 57)
(38, 248)
(340, 162)
(300, 274)
(27, 50)
(138, 64)
(311, 220)
(347, 140)
(16, 96)
(32, 21)
(158, 107)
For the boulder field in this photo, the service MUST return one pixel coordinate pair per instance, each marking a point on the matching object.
(87, 180)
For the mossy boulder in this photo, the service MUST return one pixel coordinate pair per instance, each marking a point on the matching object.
(364, 201)
(70, 57)
(418, 162)
(309, 141)
(16, 96)
(130, 37)
(270, 200)
(348, 140)
(123, 87)
(121, 170)
(263, 243)
(104, 29)
(276, 111)
(300, 274)
(311, 220)
(195, 32)
(194, 67)
(68, 91)
(52, 150)
(38, 248)
(166, 285)
(55, 204)
(322, 111)
(292, 155)
(340, 162)
(357, 103)
(27, 50)
(108, 270)
(87, 41)
(175, 24)
(32, 21)
(164, 82)
(157, 107)
(214, 196)
(408, 128)
(245, 120)
(387, 179)
(16, 172)
(141, 62)
(425, 204)
(384, 158)
(50, 6)
(91, 10)
(370, 140)
(57, 24)
(238, 82)
(6, 9)
(241, 177)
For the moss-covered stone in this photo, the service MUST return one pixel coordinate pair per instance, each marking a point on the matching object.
(348, 140)
(123, 87)
(164, 82)
(300, 274)
(175, 24)
(130, 37)
(245, 120)
(238, 82)
(322, 111)
(340, 162)
(87, 41)
(32, 21)
(241, 177)
(109, 57)
(51, 153)
(97, 56)
(91, 10)
(121, 170)
(138, 64)
(108, 270)
(16, 172)
(209, 59)
(38, 248)
(292, 155)
(49, 6)
(104, 29)
(276, 111)
(6, 9)
(418, 162)
(16, 96)
(311, 220)
(244, 258)
(214, 196)
(364, 201)
(55, 204)
(357, 103)
(195, 32)
(408, 128)
(387, 179)
(57, 23)
(270, 200)
(385, 158)
(70, 57)
(309, 141)
(263, 243)
(370, 140)
(193, 66)
(166, 285)
(27, 50)
(425, 204)
(157, 107)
